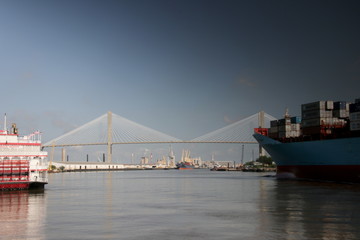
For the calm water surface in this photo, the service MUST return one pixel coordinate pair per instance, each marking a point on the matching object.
(197, 204)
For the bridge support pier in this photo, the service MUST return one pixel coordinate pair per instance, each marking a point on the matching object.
(63, 154)
(109, 135)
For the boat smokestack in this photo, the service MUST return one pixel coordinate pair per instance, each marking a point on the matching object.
(14, 129)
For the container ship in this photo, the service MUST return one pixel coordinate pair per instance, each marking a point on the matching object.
(23, 165)
(322, 144)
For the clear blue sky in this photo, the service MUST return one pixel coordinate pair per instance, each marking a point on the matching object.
(181, 67)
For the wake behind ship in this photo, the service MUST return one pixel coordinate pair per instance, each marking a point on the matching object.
(22, 163)
(323, 144)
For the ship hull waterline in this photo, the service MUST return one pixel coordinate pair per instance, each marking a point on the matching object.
(335, 160)
(336, 173)
(22, 185)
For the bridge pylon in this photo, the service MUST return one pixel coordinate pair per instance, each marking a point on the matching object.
(109, 136)
(261, 118)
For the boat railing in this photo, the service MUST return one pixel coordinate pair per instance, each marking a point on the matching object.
(27, 140)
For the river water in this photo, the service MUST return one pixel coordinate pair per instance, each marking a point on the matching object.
(196, 204)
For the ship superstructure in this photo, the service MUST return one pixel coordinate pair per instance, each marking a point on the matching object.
(23, 164)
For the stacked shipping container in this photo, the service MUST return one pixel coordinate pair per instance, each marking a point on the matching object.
(288, 127)
(322, 117)
(341, 110)
(355, 116)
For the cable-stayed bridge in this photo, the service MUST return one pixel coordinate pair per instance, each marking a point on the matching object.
(110, 129)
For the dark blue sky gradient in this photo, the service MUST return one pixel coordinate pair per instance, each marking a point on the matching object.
(182, 67)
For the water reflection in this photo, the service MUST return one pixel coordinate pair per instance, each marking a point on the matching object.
(108, 226)
(181, 205)
(22, 214)
(306, 210)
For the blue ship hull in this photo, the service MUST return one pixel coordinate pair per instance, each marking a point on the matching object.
(331, 160)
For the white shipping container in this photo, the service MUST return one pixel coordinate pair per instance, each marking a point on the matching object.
(295, 127)
(285, 128)
(354, 116)
(336, 121)
(333, 121)
(342, 113)
(329, 105)
(289, 134)
(284, 134)
(339, 122)
(295, 133)
(355, 125)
